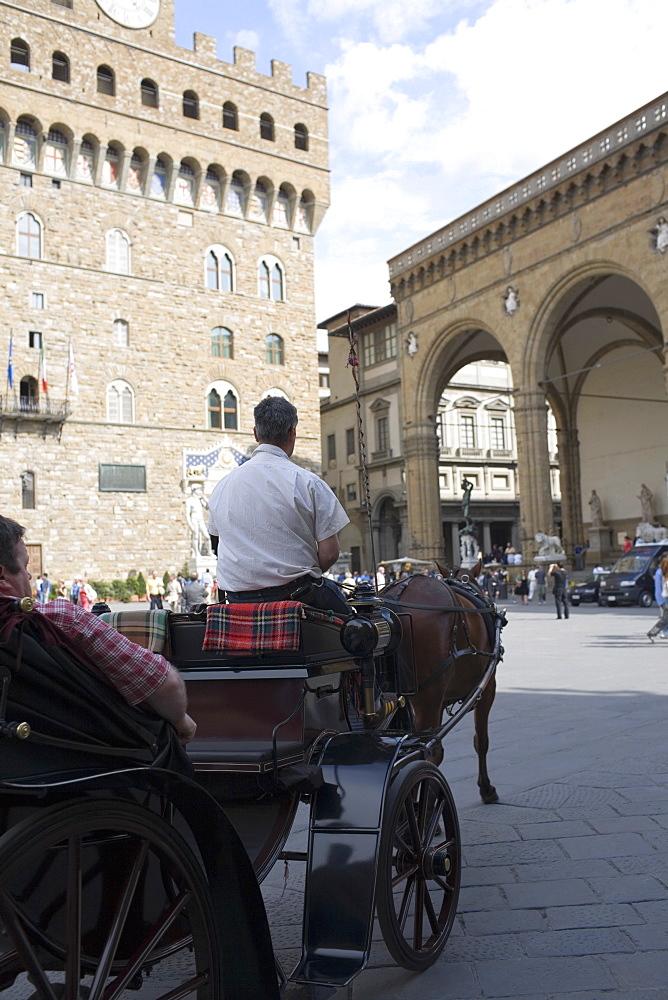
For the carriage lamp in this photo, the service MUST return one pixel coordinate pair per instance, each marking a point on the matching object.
(374, 630)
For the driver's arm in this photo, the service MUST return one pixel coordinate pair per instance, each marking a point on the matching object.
(328, 552)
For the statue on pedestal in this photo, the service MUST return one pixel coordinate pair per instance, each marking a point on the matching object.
(549, 547)
(196, 505)
(596, 510)
(468, 543)
(645, 496)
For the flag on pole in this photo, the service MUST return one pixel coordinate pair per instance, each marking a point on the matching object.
(72, 375)
(42, 369)
(10, 366)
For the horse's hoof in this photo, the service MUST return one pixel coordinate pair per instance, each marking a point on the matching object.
(489, 796)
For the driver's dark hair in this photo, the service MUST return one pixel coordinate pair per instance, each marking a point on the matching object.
(11, 534)
(274, 419)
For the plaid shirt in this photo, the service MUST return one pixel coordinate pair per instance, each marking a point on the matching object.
(134, 671)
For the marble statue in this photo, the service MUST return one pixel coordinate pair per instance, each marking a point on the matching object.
(196, 505)
(596, 510)
(411, 344)
(661, 235)
(645, 496)
(650, 532)
(511, 300)
(549, 546)
(467, 549)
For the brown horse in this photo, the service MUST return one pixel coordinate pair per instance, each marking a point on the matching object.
(452, 649)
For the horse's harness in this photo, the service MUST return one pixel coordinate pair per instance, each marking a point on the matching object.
(482, 606)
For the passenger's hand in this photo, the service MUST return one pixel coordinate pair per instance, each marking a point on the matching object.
(185, 729)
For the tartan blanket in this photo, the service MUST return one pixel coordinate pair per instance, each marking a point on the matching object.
(147, 628)
(258, 628)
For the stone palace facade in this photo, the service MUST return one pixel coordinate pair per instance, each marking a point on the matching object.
(157, 218)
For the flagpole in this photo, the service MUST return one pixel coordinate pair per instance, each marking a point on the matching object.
(67, 381)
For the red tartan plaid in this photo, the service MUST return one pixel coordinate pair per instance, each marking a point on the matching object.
(253, 627)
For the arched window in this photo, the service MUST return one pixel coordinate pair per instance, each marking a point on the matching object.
(159, 179)
(3, 151)
(260, 203)
(301, 137)
(219, 270)
(60, 67)
(222, 407)
(121, 333)
(210, 196)
(184, 190)
(25, 145)
(106, 81)
(111, 167)
(271, 283)
(29, 232)
(135, 173)
(230, 116)
(190, 104)
(234, 200)
(120, 403)
(277, 283)
(55, 153)
(266, 127)
(304, 211)
(28, 490)
(86, 161)
(282, 209)
(28, 394)
(222, 342)
(118, 251)
(149, 94)
(19, 55)
(274, 349)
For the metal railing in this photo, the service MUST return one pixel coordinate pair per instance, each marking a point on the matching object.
(29, 408)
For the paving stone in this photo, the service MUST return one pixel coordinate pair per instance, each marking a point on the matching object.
(518, 853)
(541, 975)
(650, 864)
(504, 922)
(584, 941)
(474, 948)
(653, 794)
(546, 831)
(550, 871)
(548, 796)
(628, 888)
(444, 981)
(616, 994)
(625, 824)
(649, 968)
(601, 915)
(481, 897)
(654, 912)
(590, 812)
(564, 892)
(617, 779)
(486, 833)
(513, 815)
(649, 937)
(605, 845)
(486, 875)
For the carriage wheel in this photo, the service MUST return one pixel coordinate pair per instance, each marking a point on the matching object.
(419, 866)
(97, 894)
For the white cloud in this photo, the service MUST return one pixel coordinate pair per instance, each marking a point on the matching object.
(423, 133)
(247, 39)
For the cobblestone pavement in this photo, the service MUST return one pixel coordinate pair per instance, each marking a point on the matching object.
(565, 881)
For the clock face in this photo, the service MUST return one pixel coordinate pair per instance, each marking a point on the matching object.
(131, 13)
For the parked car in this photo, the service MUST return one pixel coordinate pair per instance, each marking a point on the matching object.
(586, 592)
(632, 578)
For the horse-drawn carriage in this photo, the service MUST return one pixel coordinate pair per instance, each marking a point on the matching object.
(118, 871)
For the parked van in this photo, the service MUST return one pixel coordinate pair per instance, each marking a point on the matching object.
(632, 578)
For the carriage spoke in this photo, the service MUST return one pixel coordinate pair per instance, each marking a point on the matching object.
(431, 912)
(11, 920)
(433, 822)
(406, 902)
(120, 916)
(419, 913)
(406, 873)
(73, 920)
(440, 881)
(413, 825)
(137, 960)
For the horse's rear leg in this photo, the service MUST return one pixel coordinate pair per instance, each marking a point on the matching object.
(481, 742)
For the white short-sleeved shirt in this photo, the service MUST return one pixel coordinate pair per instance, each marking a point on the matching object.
(269, 515)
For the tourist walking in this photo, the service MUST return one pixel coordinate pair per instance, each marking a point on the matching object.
(541, 585)
(155, 590)
(558, 574)
(174, 593)
(662, 623)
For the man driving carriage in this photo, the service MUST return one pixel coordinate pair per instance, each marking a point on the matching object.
(273, 524)
(140, 676)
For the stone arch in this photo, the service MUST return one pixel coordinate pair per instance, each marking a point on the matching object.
(595, 348)
(387, 527)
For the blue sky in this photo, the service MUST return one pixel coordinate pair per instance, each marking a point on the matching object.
(437, 104)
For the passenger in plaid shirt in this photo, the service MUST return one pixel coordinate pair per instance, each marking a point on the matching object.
(138, 674)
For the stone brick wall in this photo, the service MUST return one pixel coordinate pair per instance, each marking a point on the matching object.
(165, 300)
